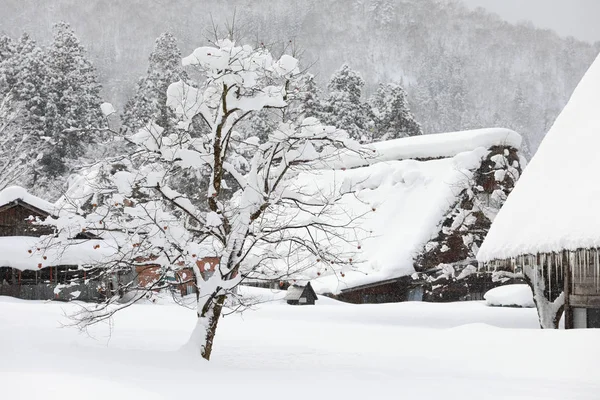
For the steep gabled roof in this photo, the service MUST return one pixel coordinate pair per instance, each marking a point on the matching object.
(402, 203)
(295, 292)
(15, 194)
(556, 203)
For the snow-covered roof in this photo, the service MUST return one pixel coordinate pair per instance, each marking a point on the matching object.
(555, 205)
(294, 292)
(402, 202)
(32, 253)
(439, 145)
(14, 193)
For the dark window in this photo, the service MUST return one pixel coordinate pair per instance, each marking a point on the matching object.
(28, 277)
(593, 317)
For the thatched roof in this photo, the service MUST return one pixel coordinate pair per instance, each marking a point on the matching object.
(555, 205)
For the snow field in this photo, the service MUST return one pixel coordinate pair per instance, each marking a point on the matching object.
(450, 351)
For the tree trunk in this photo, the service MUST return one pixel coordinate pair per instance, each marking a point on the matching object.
(206, 328)
(549, 311)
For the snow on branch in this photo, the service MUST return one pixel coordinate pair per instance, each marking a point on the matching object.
(203, 201)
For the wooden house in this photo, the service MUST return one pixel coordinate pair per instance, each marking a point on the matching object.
(301, 295)
(18, 209)
(30, 271)
(432, 199)
(549, 228)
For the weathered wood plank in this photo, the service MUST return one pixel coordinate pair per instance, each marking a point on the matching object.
(576, 300)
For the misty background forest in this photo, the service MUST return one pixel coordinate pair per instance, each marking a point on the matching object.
(458, 69)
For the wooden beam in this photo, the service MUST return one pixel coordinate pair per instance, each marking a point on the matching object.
(584, 301)
(567, 290)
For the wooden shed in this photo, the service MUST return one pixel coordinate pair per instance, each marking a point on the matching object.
(301, 295)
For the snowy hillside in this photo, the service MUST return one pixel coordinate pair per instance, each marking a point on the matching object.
(463, 69)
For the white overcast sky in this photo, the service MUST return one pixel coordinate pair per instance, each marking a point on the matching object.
(578, 18)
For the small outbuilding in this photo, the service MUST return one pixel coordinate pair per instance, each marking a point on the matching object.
(301, 295)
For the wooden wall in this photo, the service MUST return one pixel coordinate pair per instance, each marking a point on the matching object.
(14, 222)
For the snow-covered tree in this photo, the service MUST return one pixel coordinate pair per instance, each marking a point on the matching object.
(343, 107)
(72, 115)
(304, 102)
(273, 225)
(22, 110)
(17, 148)
(7, 51)
(307, 96)
(392, 115)
(149, 102)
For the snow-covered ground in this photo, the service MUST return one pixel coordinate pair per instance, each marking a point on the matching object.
(332, 350)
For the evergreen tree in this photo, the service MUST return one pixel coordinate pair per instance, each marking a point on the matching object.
(392, 116)
(148, 104)
(73, 114)
(262, 124)
(27, 80)
(22, 108)
(306, 100)
(7, 51)
(343, 108)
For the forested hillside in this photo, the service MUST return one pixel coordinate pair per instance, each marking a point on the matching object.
(461, 69)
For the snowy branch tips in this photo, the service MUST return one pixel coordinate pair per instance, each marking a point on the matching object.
(203, 190)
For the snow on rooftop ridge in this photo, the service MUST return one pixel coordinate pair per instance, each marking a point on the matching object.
(14, 193)
(446, 144)
(438, 145)
(554, 205)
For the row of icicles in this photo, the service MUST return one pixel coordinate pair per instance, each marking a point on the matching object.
(584, 265)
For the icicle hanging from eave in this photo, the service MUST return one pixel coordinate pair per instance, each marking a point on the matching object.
(555, 271)
(549, 274)
(597, 269)
(586, 261)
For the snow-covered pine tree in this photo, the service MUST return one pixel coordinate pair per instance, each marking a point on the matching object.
(344, 108)
(270, 227)
(392, 116)
(73, 118)
(306, 98)
(7, 50)
(150, 98)
(29, 84)
(22, 111)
